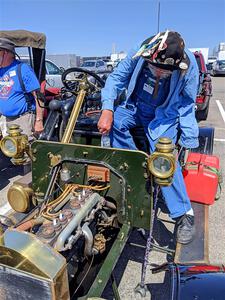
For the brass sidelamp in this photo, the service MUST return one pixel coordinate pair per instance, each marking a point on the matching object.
(162, 162)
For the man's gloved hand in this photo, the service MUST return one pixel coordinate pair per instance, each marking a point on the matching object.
(105, 121)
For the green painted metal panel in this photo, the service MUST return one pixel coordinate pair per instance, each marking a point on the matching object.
(127, 180)
(109, 263)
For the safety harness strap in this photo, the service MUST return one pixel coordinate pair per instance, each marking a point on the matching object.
(26, 94)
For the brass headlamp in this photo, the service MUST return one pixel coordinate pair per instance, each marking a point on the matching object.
(162, 162)
(15, 144)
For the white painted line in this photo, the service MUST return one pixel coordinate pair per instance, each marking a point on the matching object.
(221, 109)
(4, 209)
(219, 140)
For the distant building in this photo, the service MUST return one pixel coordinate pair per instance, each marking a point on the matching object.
(65, 60)
(221, 51)
(115, 56)
(72, 60)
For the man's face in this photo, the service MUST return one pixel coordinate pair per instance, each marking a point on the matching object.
(2, 52)
(159, 72)
(6, 57)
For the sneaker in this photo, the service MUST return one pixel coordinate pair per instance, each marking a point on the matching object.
(185, 229)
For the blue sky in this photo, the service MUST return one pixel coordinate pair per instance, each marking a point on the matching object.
(91, 27)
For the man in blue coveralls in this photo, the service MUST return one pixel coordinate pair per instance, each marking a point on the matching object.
(16, 105)
(161, 79)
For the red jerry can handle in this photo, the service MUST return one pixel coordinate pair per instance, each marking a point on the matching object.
(215, 171)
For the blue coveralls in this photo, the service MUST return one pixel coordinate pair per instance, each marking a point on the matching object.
(173, 109)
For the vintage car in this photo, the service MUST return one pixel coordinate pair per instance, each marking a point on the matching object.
(73, 213)
(204, 89)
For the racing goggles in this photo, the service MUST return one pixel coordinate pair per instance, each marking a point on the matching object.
(159, 72)
(153, 47)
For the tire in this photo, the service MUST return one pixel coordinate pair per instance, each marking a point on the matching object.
(110, 68)
(201, 115)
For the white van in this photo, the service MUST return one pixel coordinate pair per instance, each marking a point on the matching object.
(53, 72)
(94, 65)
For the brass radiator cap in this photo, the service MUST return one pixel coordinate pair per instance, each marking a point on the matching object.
(19, 197)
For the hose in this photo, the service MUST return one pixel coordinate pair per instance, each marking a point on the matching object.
(29, 224)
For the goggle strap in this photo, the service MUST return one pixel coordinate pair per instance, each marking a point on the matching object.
(164, 37)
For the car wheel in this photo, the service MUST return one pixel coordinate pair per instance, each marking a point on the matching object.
(110, 68)
(201, 115)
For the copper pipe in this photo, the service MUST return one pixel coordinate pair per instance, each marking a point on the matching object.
(29, 224)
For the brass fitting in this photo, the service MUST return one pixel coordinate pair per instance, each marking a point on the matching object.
(99, 243)
(20, 197)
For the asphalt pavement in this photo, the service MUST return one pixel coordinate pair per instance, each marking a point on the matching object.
(128, 270)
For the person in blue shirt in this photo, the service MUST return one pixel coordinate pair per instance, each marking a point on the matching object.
(160, 77)
(14, 106)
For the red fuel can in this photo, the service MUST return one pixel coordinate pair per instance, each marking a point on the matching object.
(201, 176)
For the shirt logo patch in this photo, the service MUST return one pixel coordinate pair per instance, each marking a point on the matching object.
(12, 73)
(6, 84)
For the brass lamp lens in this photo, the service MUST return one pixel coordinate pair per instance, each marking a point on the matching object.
(8, 147)
(162, 164)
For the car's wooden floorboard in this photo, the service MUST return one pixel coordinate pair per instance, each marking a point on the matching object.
(198, 250)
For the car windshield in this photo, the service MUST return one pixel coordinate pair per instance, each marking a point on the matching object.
(88, 64)
(221, 63)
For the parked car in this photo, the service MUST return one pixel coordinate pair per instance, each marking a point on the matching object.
(111, 64)
(53, 73)
(218, 68)
(116, 62)
(204, 89)
(94, 65)
(209, 67)
(210, 62)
